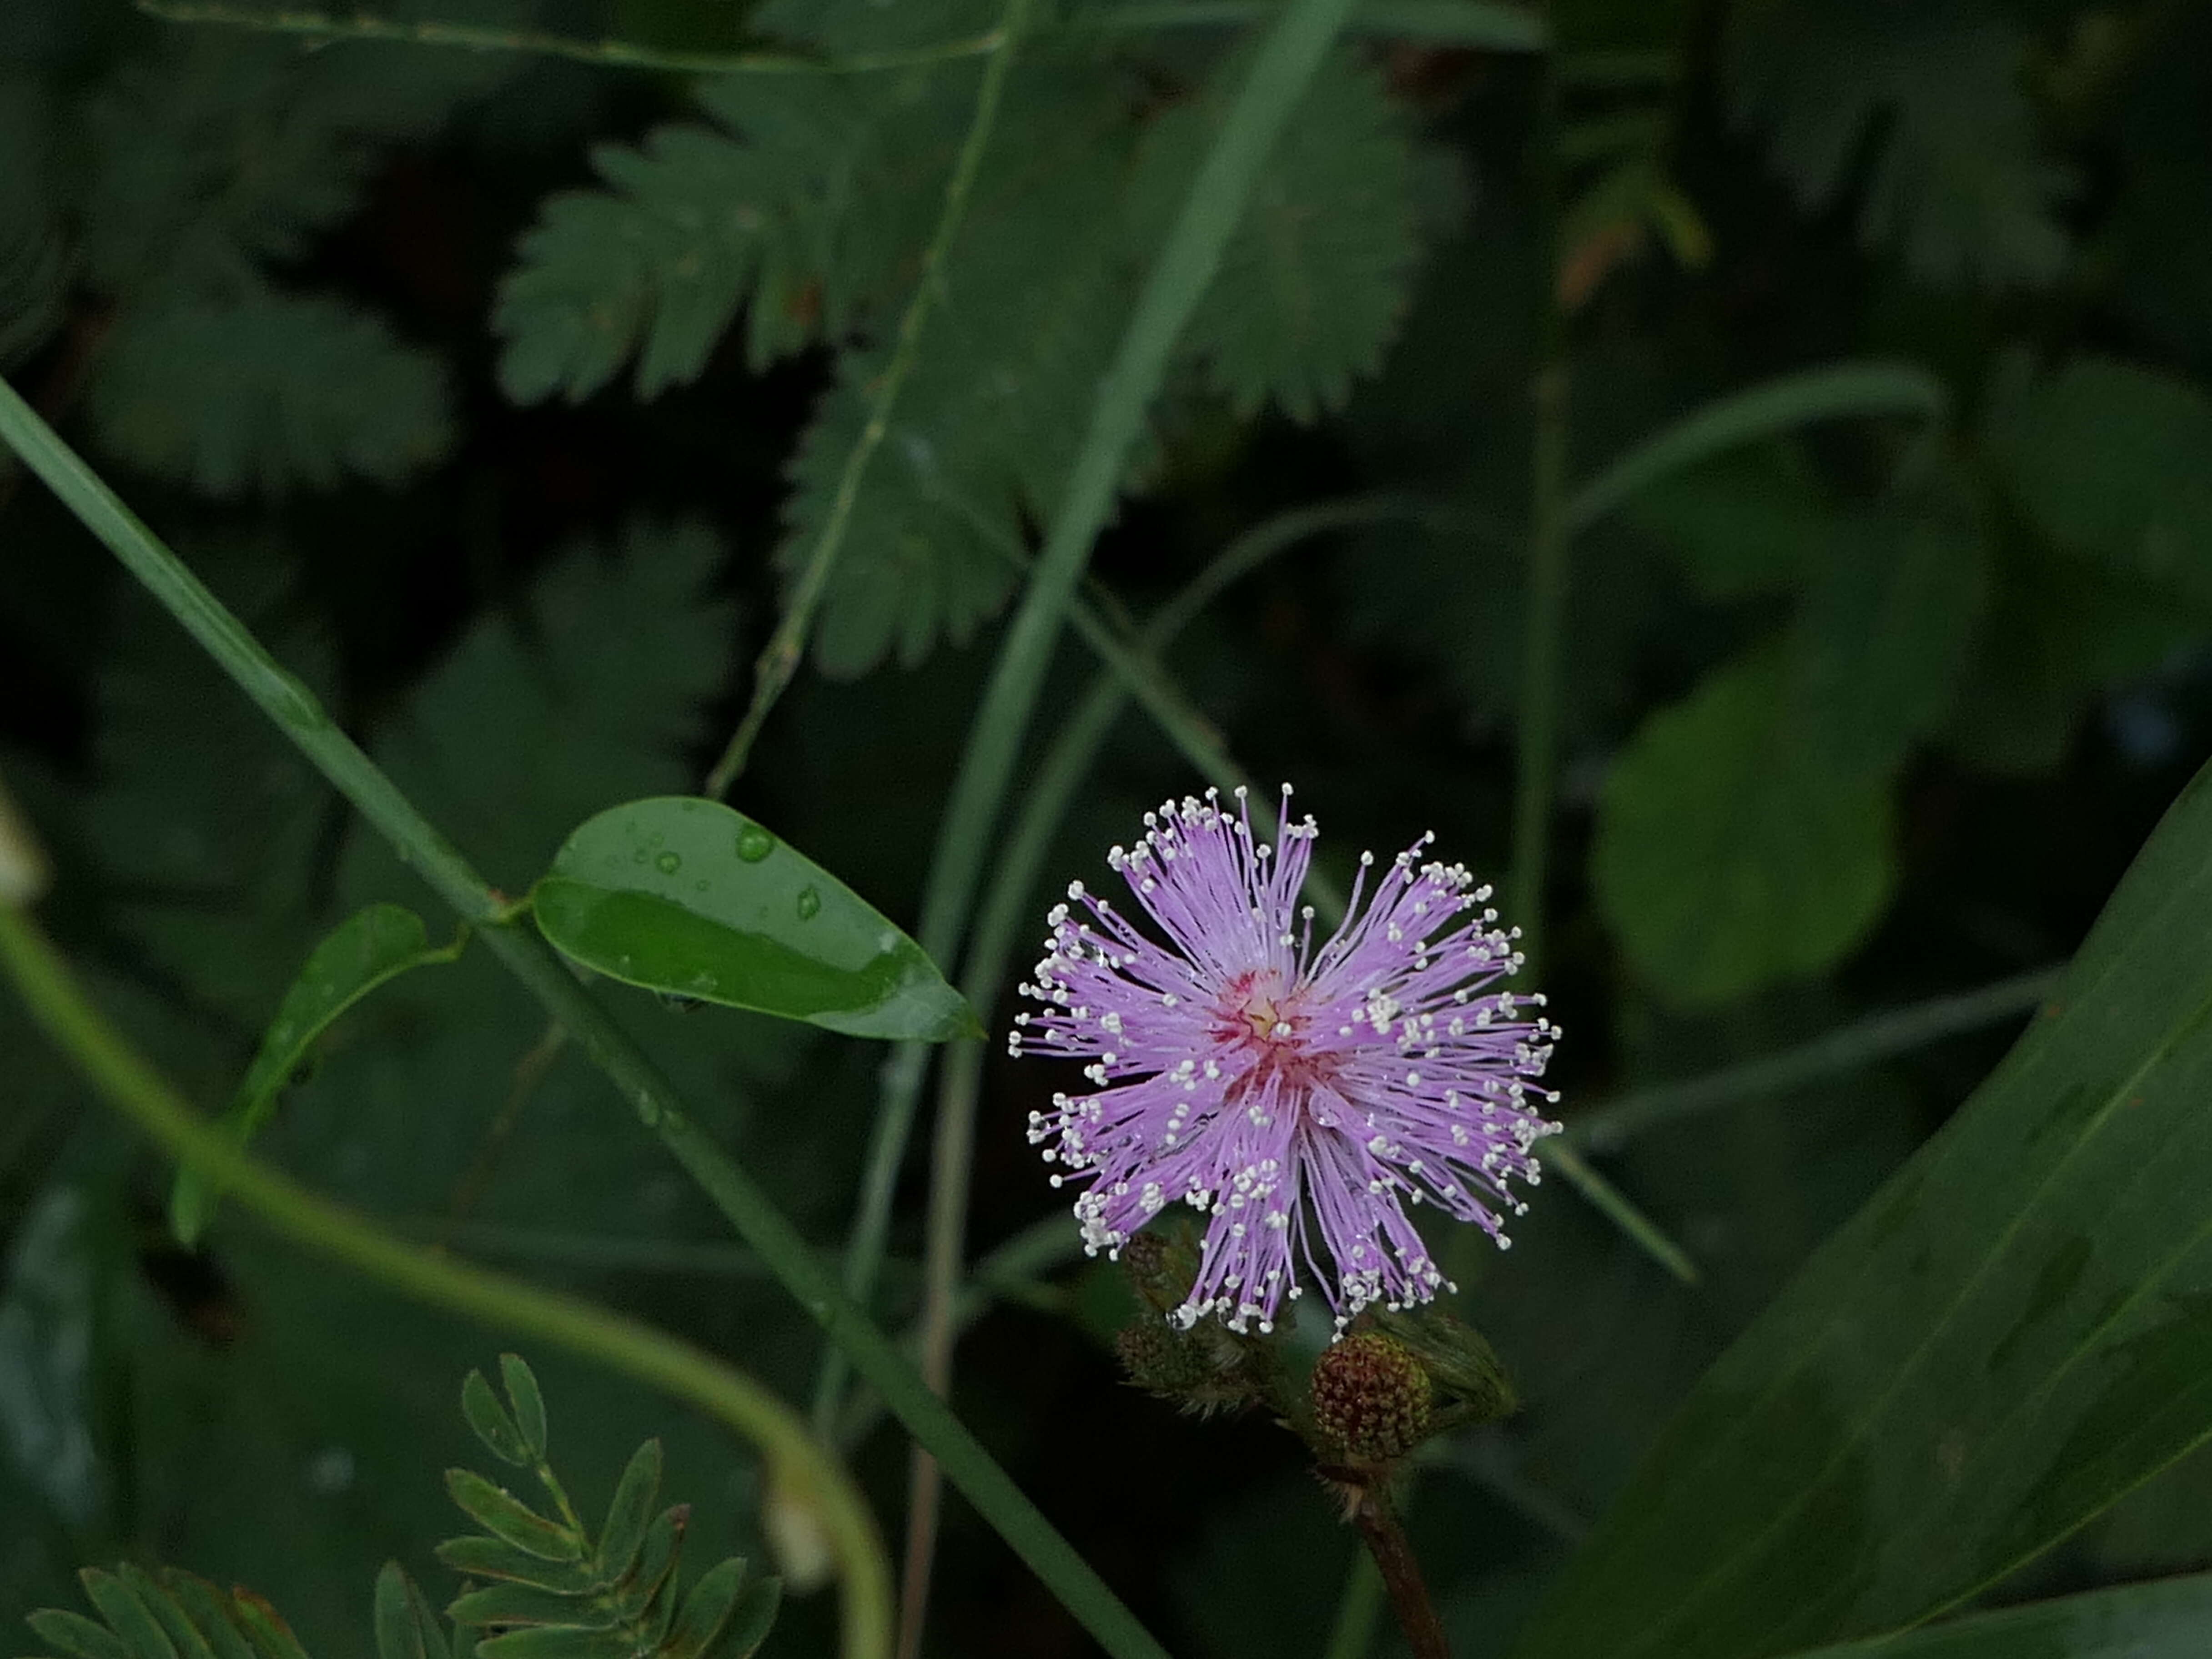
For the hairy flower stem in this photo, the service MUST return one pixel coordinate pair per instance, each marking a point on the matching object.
(1393, 1552)
(779, 661)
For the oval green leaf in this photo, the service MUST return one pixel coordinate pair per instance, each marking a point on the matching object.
(366, 950)
(688, 898)
(2013, 1334)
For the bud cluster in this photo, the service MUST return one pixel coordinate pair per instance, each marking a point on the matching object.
(1393, 1381)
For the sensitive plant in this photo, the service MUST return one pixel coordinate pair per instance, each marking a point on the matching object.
(1300, 1097)
(1041, 258)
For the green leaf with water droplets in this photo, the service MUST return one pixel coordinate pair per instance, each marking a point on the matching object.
(370, 947)
(688, 898)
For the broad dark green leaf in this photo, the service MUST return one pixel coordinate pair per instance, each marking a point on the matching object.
(367, 949)
(2016, 1330)
(491, 1422)
(494, 1557)
(2168, 1619)
(687, 897)
(505, 1515)
(1881, 639)
(1730, 850)
(2111, 461)
(629, 1510)
(529, 1403)
(406, 1628)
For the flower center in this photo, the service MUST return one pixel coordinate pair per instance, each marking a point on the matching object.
(1262, 1020)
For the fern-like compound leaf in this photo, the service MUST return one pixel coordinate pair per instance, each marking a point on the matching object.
(1313, 285)
(1959, 183)
(268, 393)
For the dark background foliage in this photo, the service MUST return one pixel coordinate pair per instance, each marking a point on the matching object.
(461, 377)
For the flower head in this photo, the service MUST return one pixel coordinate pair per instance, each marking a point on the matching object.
(1300, 1097)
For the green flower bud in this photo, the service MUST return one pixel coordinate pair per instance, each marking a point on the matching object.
(1162, 1359)
(1161, 1269)
(1469, 1378)
(1372, 1402)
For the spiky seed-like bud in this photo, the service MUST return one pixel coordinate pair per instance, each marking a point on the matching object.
(1372, 1402)
(1160, 1359)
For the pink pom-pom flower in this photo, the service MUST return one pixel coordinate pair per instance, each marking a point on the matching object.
(1302, 1098)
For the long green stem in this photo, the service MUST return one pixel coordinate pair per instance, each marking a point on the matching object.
(1471, 24)
(1293, 50)
(320, 26)
(1611, 1125)
(1130, 671)
(636, 1078)
(780, 659)
(800, 1469)
(1543, 625)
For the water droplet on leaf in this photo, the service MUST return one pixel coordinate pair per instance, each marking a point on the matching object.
(755, 843)
(668, 864)
(810, 903)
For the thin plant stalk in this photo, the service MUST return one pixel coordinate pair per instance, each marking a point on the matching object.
(1543, 623)
(324, 28)
(1612, 1124)
(1067, 763)
(636, 1078)
(1295, 41)
(780, 658)
(801, 1471)
(1290, 54)
(1470, 24)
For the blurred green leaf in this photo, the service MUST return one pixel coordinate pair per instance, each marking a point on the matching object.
(406, 1628)
(46, 1355)
(1959, 181)
(370, 948)
(267, 391)
(1730, 851)
(1882, 638)
(2168, 1620)
(77, 1636)
(127, 1616)
(2058, 631)
(1312, 287)
(506, 1517)
(686, 897)
(2111, 461)
(2012, 1334)
(1750, 523)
